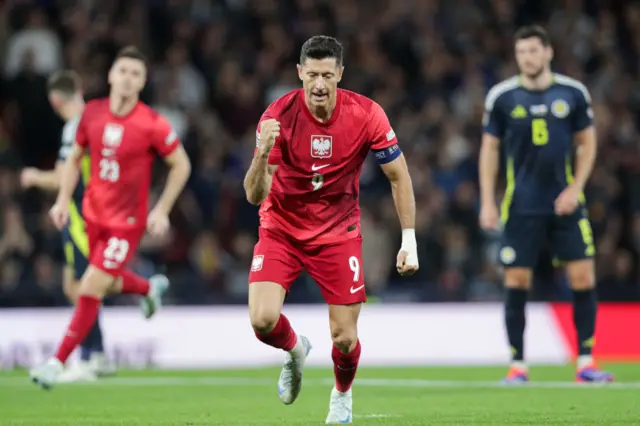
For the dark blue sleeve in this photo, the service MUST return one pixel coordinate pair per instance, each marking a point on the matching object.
(493, 121)
(582, 116)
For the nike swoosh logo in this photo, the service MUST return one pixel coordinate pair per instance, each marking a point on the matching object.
(355, 290)
(315, 168)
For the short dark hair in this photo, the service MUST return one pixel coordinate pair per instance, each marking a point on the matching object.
(530, 31)
(131, 52)
(321, 47)
(67, 82)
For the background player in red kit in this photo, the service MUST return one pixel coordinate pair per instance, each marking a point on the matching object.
(311, 145)
(122, 136)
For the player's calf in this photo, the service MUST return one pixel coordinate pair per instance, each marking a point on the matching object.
(274, 329)
(581, 276)
(343, 320)
(517, 282)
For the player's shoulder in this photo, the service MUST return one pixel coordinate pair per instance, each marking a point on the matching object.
(148, 116)
(96, 106)
(357, 104)
(499, 90)
(575, 86)
(285, 104)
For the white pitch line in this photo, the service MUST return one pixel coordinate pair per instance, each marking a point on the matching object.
(409, 383)
(376, 416)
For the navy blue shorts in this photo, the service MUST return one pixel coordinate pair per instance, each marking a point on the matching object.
(74, 257)
(524, 236)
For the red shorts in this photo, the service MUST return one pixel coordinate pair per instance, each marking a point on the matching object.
(337, 268)
(110, 249)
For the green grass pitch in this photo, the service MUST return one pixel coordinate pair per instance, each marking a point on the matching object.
(382, 396)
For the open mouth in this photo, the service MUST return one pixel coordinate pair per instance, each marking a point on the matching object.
(319, 97)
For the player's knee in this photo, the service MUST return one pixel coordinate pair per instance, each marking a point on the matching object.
(263, 320)
(344, 339)
(581, 276)
(95, 283)
(517, 278)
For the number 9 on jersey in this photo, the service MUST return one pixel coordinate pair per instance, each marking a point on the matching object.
(317, 181)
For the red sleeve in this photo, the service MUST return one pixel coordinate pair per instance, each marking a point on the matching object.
(164, 139)
(81, 137)
(380, 132)
(276, 152)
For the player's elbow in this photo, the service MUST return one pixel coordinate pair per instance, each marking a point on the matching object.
(399, 177)
(254, 197)
(185, 166)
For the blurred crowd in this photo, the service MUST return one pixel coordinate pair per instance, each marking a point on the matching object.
(216, 64)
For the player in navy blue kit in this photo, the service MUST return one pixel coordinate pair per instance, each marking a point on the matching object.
(543, 123)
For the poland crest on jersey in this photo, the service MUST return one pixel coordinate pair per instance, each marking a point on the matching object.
(112, 136)
(321, 146)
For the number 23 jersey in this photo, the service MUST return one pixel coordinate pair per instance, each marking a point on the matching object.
(315, 189)
(122, 151)
(536, 130)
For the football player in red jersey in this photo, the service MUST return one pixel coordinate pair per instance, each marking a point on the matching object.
(122, 136)
(311, 145)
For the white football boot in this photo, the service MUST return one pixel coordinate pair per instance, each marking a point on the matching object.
(78, 372)
(101, 366)
(46, 375)
(158, 286)
(290, 381)
(340, 408)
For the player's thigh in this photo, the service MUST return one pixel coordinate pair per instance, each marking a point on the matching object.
(572, 238)
(275, 266)
(522, 239)
(111, 249)
(338, 270)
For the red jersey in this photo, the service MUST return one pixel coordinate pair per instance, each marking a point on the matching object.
(122, 151)
(315, 190)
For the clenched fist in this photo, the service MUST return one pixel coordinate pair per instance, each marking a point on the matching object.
(269, 131)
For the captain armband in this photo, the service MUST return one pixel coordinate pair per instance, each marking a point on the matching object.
(387, 155)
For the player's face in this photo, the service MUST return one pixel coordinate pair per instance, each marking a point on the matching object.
(57, 101)
(532, 56)
(320, 78)
(127, 76)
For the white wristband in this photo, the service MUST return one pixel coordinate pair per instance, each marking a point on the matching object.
(409, 240)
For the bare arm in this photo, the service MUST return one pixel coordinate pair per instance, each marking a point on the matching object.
(489, 167)
(179, 171)
(69, 175)
(586, 147)
(48, 180)
(257, 182)
(402, 191)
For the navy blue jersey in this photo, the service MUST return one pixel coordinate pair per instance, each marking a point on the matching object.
(536, 130)
(76, 227)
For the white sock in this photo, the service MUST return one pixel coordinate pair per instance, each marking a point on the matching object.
(520, 365)
(584, 360)
(298, 349)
